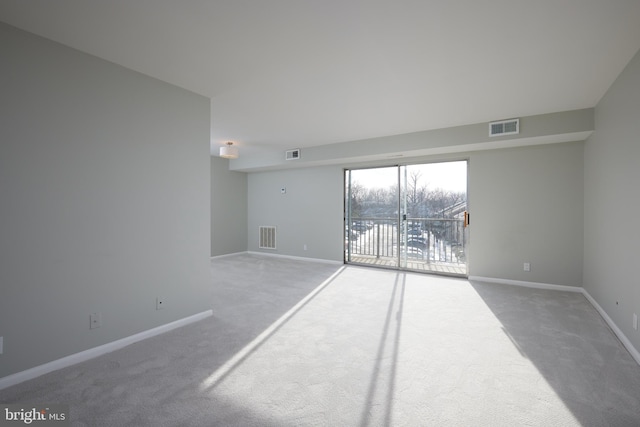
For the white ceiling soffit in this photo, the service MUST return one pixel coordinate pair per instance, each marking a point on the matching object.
(552, 128)
(291, 73)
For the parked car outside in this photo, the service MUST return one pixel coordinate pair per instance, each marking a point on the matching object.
(416, 244)
(414, 232)
(359, 226)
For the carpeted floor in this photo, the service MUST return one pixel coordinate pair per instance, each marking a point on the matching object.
(295, 343)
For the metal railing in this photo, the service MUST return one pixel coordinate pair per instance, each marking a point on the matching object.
(440, 240)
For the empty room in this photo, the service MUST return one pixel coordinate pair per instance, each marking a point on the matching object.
(319, 213)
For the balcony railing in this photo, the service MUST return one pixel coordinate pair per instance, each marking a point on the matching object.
(419, 243)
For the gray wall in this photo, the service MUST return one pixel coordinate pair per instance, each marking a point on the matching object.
(228, 208)
(612, 175)
(104, 192)
(310, 212)
(525, 205)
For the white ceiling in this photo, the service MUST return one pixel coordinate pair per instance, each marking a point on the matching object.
(299, 73)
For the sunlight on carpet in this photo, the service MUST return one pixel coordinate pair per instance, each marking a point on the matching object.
(391, 348)
(250, 348)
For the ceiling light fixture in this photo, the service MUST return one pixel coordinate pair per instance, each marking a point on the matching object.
(229, 151)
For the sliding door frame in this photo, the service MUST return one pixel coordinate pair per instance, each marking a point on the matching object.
(401, 245)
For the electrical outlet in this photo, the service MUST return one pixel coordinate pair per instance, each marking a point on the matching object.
(305, 247)
(635, 321)
(159, 303)
(527, 266)
(95, 320)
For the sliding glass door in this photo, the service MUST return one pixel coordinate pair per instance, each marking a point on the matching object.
(371, 216)
(408, 217)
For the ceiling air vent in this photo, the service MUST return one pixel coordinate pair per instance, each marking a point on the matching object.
(504, 127)
(292, 154)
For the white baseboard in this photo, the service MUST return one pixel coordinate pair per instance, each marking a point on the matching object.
(228, 255)
(91, 353)
(621, 336)
(525, 284)
(616, 330)
(298, 258)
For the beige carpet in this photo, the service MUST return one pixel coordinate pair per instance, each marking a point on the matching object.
(295, 343)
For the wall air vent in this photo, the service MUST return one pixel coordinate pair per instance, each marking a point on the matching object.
(504, 127)
(292, 154)
(267, 239)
